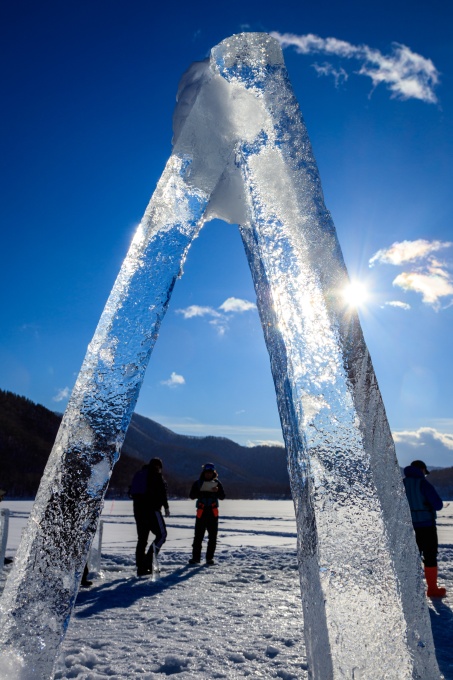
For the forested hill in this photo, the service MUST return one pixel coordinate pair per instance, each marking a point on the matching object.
(28, 430)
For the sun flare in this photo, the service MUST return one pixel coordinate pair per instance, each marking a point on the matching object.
(355, 294)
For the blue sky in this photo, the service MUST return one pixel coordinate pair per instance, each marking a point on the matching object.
(88, 92)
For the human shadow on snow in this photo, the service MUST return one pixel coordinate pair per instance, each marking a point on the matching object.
(442, 626)
(124, 592)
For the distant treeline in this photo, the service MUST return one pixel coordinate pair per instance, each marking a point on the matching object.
(28, 431)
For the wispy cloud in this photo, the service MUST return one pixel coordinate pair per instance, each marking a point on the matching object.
(405, 73)
(396, 303)
(238, 433)
(429, 277)
(219, 319)
(62, 394)
(326, 69)
(221, 325)
(427, 443)
(174, 380)
(197, 310)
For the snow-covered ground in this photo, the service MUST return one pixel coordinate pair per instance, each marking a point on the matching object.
(240, 618)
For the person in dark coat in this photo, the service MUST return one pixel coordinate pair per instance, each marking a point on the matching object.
(424, 501)
(207, 490)
(149, 493)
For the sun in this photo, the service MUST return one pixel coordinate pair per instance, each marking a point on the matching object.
(355, 294)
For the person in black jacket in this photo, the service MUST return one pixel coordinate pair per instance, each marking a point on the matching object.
(208, 491)
(423, 502)
(149, 493)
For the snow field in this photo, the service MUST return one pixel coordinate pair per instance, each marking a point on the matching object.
(241, 618)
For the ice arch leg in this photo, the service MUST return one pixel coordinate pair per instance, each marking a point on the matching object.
(365, 613)
(40, 592)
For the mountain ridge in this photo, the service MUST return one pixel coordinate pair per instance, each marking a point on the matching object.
(28, 430)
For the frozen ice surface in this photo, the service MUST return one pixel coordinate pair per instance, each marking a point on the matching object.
(241, 152)
(4, 522)
(94, 556)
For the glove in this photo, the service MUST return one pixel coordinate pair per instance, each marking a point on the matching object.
(167, 512)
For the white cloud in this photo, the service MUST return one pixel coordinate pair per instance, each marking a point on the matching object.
(429, 277)
(174, 380)
(432, 285)
(62, 394)
(233, 305)
(197, 310)
(424, 436)
(406, 74)
(218, 319)
(396, 303)
(427, 443)
(329, 70)
(407, 251)
(265, 442)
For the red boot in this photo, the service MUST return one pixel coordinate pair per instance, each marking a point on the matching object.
(431, 580)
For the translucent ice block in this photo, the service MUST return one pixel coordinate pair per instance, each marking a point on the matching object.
(365, 614)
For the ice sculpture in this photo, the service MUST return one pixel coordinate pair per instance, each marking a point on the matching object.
(241, 152)
(4, 525)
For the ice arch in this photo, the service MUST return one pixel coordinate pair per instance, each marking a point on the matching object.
(241, 152)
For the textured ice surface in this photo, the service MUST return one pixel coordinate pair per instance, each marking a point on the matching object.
(94, 557)
(364, 609)
(4, 522)
(241, 152)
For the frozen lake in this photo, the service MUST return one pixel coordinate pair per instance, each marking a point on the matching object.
(251, 523)
(241, 618)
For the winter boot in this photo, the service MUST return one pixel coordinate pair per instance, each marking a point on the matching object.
(431, 580)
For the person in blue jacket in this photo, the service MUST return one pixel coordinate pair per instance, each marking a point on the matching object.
(424, 501)
(208, 490)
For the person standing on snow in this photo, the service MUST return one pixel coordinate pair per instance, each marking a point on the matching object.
(208, 490)
(149, 493)
(423, 502)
